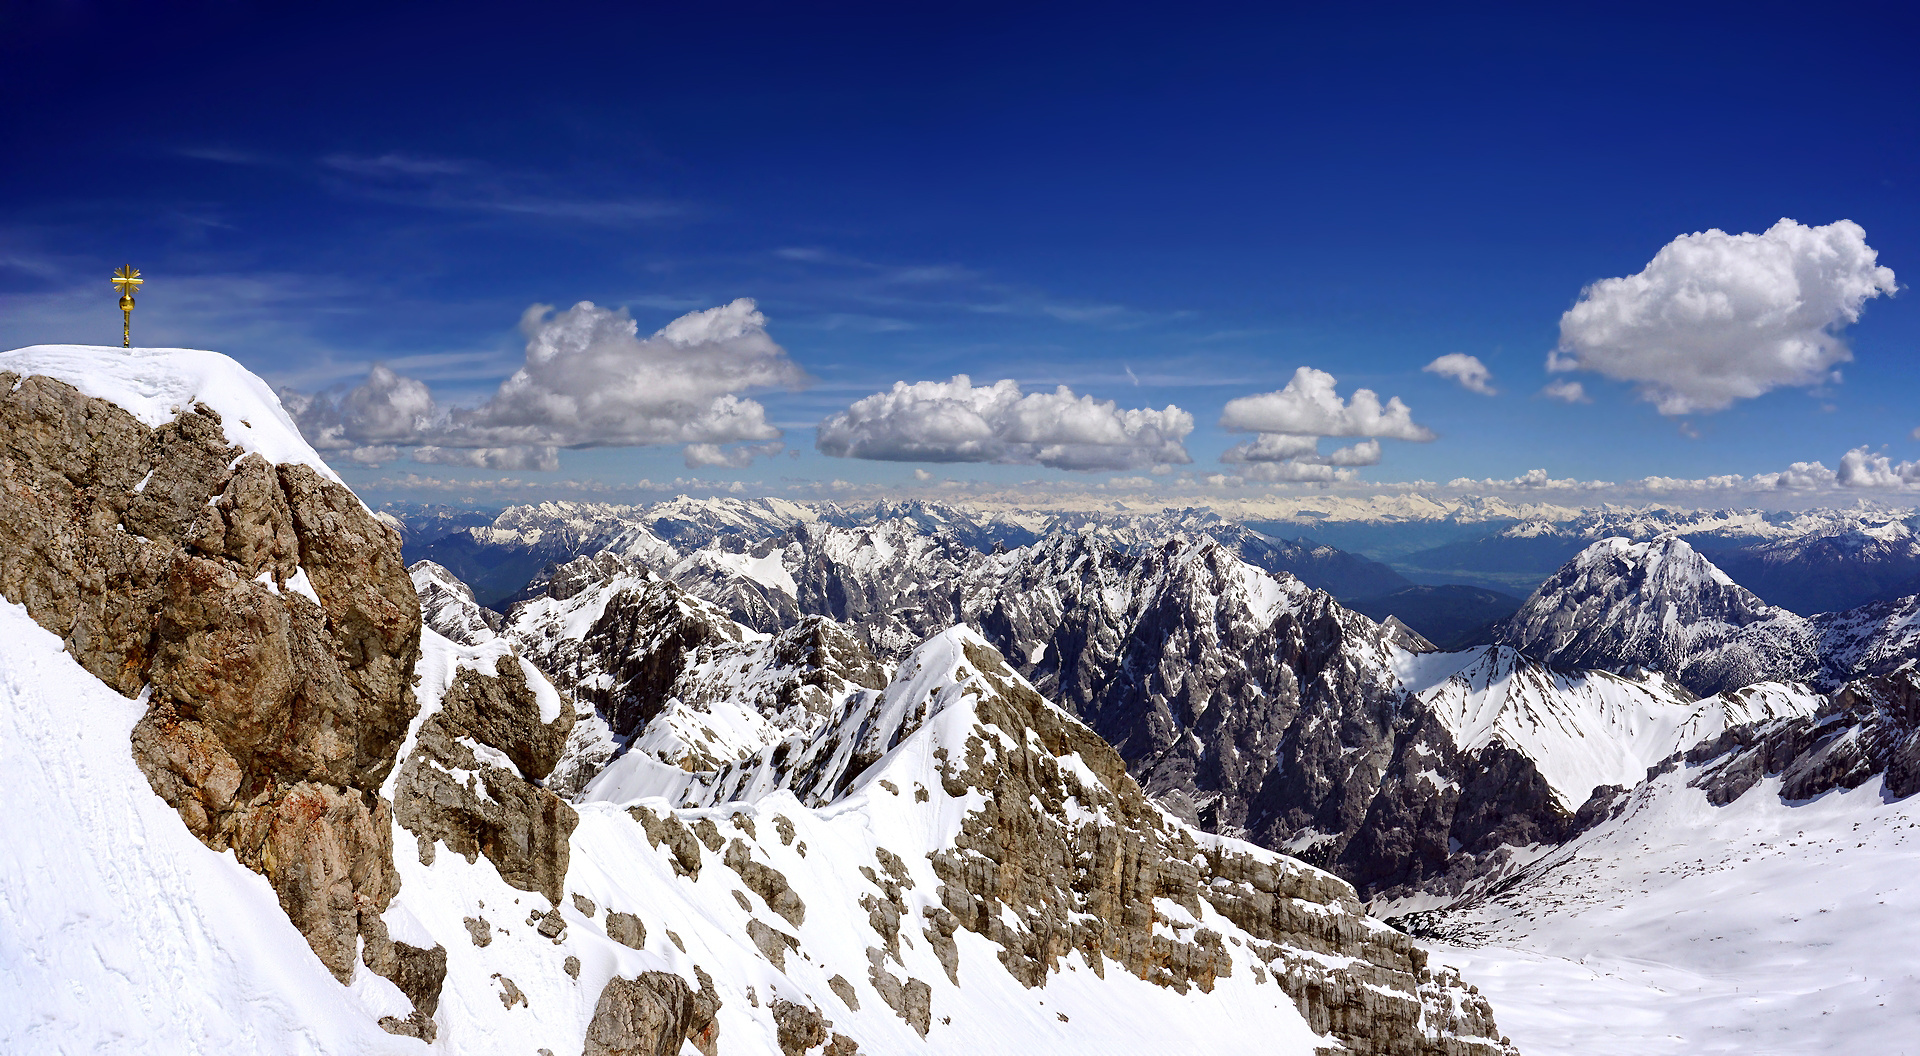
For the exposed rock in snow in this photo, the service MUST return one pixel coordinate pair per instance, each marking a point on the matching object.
(1032, 817)
(1742, 898)
(469, 781)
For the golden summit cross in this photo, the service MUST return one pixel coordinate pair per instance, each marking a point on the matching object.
(127, 280)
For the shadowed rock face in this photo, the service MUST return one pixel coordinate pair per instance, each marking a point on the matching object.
(270, 618)
(1871, 726)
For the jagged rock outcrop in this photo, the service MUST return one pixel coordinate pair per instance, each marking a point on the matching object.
(615, 635)
(267, 616)
(1871, 727)
(657, 663)
(651, 1015)
(447, 605)
(471, 780)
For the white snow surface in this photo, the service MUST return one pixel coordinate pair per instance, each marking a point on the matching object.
(1582, 729)
(120, 932)
(767, 570)
(156, 384)
(1681, 928)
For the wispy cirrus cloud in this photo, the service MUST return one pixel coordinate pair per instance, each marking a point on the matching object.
(465, 185)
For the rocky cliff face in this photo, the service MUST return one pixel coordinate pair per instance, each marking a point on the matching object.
(265, 615)
(1871, 727)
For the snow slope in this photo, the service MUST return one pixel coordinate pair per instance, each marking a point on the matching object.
(1682, 928)
(1582, 729)
(119, 931)
(703, 920)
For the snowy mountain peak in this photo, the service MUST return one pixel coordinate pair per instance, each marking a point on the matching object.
(156, 384)
(447, 605)
(1660, 605)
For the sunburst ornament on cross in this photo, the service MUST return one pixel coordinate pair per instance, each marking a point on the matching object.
(127, 280)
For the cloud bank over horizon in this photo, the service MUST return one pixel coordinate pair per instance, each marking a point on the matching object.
(957, 421)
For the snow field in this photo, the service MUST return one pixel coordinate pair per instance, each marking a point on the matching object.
(121, 932)
(1679, 927)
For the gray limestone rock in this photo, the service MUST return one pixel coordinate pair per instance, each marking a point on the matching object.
(798, 1028)
(767, 882)
(626, 929)
(497, 811)
(772, 943)
(651, 1015)
(845, 992)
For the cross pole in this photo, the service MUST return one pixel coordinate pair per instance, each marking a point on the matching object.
(127, 280)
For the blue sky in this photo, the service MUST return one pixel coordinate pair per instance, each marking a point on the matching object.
(1175, 206)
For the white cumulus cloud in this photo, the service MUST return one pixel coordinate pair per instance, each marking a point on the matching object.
(1309, 406)
(1860, 468)
(1720, 482)
(1800, 476)
(956, 421)
(589, 380)
(544, 459)
(1296, 472)
(384, 409)
(1716, 318)
(1290, 423)
(1531, 480)
(1472, 374)
(740, 457)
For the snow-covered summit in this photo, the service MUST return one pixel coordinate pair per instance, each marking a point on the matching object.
(156, 384)
(1661, 605)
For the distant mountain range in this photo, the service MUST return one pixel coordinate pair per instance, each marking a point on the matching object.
(1808, 562)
